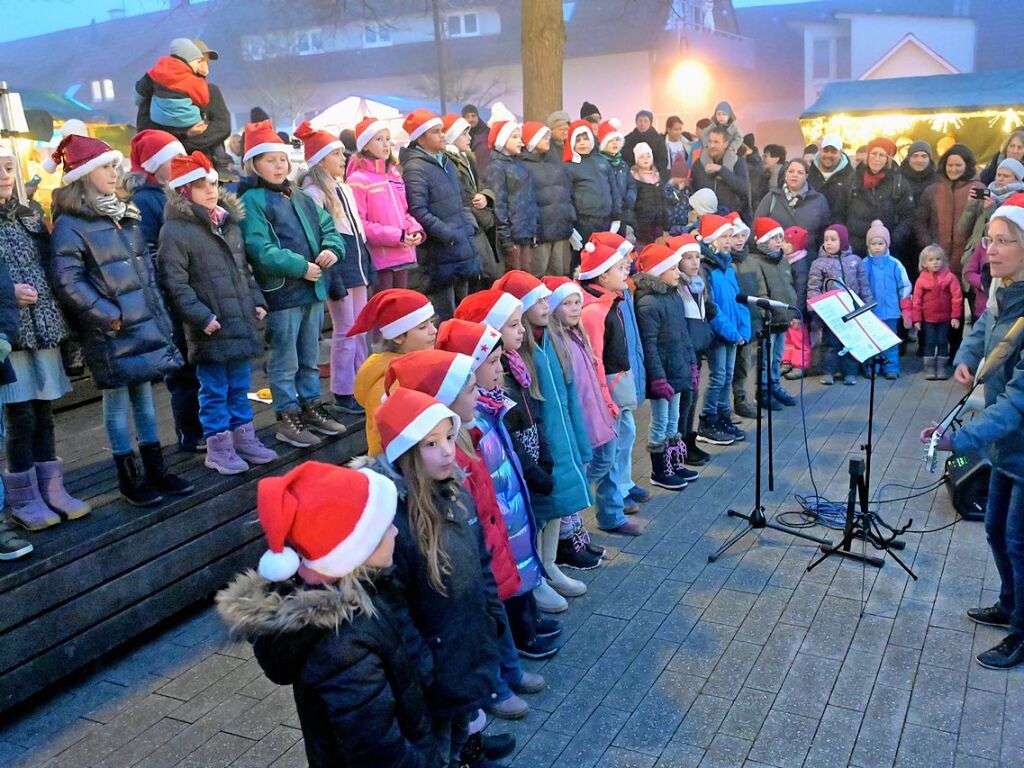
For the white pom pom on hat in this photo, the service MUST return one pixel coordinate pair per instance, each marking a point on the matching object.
(279, 566)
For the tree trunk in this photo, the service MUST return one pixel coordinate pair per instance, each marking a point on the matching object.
(543, 46)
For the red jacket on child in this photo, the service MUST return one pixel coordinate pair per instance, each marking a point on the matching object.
(937, 297)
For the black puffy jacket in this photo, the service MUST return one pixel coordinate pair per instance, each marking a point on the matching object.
(892, 202)
(515, 200)
(9, 321)
(661, 316)
(204, 274)
(553, 188)
(434, 194)
(357, 680)
(102, 274)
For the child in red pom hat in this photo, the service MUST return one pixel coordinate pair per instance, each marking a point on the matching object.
(324, 616)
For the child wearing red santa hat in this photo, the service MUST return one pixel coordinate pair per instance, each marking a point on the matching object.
(515, 200)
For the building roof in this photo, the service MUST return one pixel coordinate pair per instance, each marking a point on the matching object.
(909, 40)
(972, 92)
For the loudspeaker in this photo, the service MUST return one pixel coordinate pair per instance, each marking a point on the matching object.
(967, 482)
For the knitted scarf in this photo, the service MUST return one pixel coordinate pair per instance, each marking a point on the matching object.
(999, 194)
(794, 198)
(110, 206)
(517, 367)
(872, 180)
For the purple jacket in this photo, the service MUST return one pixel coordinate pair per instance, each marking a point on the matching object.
(850, 270)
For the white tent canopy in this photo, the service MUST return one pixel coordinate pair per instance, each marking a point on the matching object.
(350, 110)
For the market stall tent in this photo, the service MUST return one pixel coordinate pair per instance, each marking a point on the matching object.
(978, 109)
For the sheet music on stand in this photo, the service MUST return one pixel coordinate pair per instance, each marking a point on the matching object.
(863, 336)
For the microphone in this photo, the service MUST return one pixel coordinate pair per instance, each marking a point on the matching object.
(757, 301)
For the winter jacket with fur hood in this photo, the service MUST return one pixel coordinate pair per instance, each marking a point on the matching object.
(103, 275)
(204, 275)
(461, 629)
(661, 315)
(358, 680)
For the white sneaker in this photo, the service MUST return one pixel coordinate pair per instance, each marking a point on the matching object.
(548, 600)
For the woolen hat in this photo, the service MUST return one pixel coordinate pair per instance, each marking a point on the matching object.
(470, 109)
(477, 340)
(642, 148)
(366, 129)
(80, 155)
(920, 146)
(524, 286)
(260, 138)
(704, 201)
(797, 237)
(1016, 167)
(406, 417)
(418, 122)
(657, 258)
(713, 226)
(152, 148)
(188, 168)
(534, 133)
(558, 117)
(588, 109)
(886, 144)
(492, 306)
(453, 126)
(877, 229)
(766, 228)
(684, 243)
(561, 288)
(393, 311)
(328, 518)
(501, 131)
(316, 145)
(435, 372)
(844, 235)
(569, 153)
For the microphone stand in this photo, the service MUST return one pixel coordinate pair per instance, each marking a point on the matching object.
(756, 520)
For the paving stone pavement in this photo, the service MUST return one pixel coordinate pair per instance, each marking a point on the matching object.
(669, 661)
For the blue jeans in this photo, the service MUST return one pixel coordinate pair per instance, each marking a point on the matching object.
(116, 404)
(510, 670)
(889, 362)
(775, 367)
(936, 339)
(224, 395)
(1004, 527)
(183, 387)
(831, 361)
(622, 465)
(664, 418)
(609, 498)
(294, 338)
(721, 363)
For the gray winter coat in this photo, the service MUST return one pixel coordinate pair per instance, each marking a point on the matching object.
(778, 278)
(811, 212)
(553, 188)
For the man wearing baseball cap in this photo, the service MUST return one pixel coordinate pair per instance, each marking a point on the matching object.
(831, 173)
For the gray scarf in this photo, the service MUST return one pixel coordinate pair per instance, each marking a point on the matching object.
(110, 206)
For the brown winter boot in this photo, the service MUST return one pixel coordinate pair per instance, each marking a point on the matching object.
(931, 368)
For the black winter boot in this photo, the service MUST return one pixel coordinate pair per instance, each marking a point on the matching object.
(131, 483)
(695, 457)
(157, 474)
(661, 475)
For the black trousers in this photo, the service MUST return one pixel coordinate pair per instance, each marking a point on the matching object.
(29, 434)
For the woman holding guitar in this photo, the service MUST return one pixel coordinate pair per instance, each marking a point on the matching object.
(998, 430)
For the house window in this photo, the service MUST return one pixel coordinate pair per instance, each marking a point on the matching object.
(253, 48)
(102, 90)
(376, 36)
(463, 25)
(821, 66)
(309, 41)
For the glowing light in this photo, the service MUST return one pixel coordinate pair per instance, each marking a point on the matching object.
(690, 77)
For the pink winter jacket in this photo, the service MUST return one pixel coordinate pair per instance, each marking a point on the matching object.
(380, 198)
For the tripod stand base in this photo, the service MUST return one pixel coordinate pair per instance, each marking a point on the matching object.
(755, 522)
(877, 562)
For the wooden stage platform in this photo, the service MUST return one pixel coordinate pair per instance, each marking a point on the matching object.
(93, 584)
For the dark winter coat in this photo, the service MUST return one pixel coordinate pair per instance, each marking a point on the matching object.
(892, 202)
(486, 236)
(435, 201)
(918, 181)
(801, 271)
(595, 194)
(103, 274)
(553, 188)
(778, 279)
(9, 317)
(150, 198)
(939, 211)
(811, 212)
(730, 185)
(461, 629)
(625, 187)
(357, 679)
(204, 275)
(515, 200)
(655, 140)
(218, 122)
(649, 209)
(836, 190)
(751, 281)
(668, 352)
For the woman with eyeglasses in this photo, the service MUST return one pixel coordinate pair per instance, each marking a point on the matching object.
(995, 432)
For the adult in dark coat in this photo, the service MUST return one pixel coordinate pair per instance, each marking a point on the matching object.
(831, 174)
(478, 132)
(880, 192)
(797, 204)
(943, 202)
(447, 257)
(722, 171)
(918, 170)
(1013, 147)
(646, 132)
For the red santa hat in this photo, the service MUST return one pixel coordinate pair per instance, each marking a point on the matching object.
(561, 289)
(1012, 209)
(713, 226)
(493, 307)
(454, 126)
(607, 131)
(477, 340)
(418, 122)
(260, 138)
(393, 311)
(577, 128)
(152, 148)
(534, 133)
(406, 417)
(328, 518)
(500, 133)
(316, 144)
(766, 228)
(366, 129)
(524, 286)
(435, 372)
(189, 168)
(80, 155)
(657, 258)
(613, 240)
(597, 258)
(685, 243)
(738, 224)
